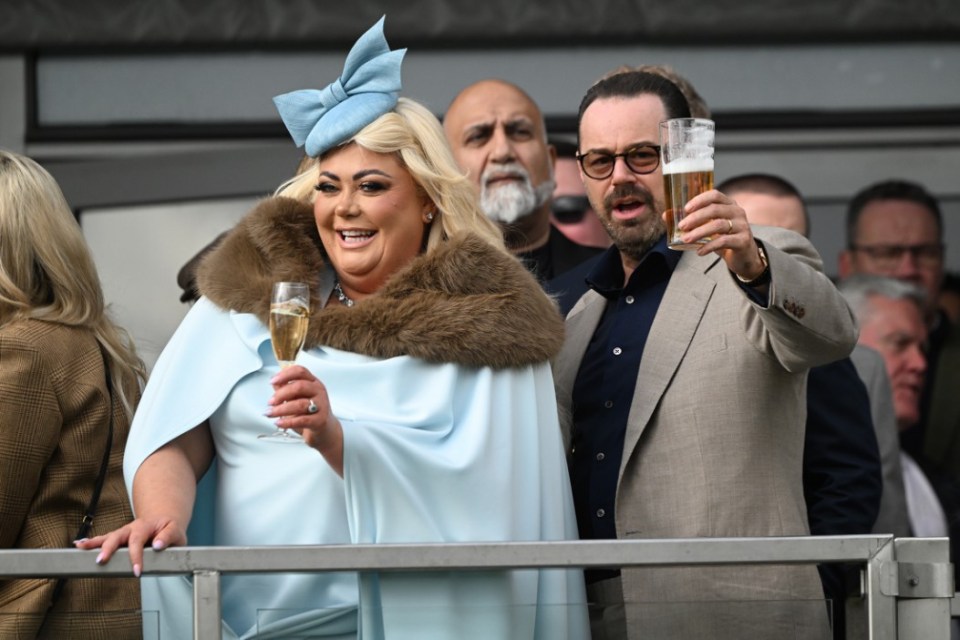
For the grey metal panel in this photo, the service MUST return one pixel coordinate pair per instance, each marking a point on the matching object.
(253, 169)
(13, 105)
(207, 88)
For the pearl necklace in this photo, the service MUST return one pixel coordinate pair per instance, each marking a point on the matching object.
(341, 296)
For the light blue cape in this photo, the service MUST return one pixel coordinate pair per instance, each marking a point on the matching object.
(432, 453)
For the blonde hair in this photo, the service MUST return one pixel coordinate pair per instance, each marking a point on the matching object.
(301, 185)
(415, 135)
(47, 272)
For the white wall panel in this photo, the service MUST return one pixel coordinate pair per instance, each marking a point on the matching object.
(138, 252)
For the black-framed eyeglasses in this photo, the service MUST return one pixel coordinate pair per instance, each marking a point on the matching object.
(599, 164)
(569, 209)
(888, 256)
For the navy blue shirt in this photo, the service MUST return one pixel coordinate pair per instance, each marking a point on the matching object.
(607, 378)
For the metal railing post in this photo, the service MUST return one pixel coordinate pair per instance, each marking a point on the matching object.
(926, 589)
(873, 615)
(206, 604)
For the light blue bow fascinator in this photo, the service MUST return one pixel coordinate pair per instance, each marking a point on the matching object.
(367, 89)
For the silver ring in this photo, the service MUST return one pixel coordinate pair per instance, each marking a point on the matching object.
(729, 226)
(312, 406)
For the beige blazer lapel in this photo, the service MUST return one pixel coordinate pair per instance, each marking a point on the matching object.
(581, 322)
(674, 326)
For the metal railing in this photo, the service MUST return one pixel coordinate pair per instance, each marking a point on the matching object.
(907, 586)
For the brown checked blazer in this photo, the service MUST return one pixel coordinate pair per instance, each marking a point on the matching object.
(53, 430)
(714, 439)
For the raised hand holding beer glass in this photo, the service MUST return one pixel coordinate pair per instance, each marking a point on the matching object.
(289, 316)
(686, 148)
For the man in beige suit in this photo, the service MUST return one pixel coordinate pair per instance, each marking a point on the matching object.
(682, 386)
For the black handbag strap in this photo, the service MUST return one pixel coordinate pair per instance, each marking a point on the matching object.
(87, 523)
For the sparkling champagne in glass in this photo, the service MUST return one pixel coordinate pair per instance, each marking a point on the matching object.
(289, 316)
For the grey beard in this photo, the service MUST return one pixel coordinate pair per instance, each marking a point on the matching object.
(512, 201)
(632, 237)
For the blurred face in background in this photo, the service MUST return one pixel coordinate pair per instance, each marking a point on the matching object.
(785, 212)
(897, 330)
(898, 239)
(572, 213)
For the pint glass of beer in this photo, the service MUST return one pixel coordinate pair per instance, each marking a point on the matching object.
(686, 149)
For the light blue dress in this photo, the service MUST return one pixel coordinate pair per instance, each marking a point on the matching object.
(432, 453)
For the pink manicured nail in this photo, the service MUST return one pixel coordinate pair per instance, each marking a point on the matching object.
(136, 570)
(159, 545)
(100, 558)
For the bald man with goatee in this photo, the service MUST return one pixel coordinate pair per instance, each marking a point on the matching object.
(499, 139)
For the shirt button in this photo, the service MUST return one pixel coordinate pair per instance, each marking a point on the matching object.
(629, 299)
(608, 404)
(617, 351)
(600, 456)
(601, 513)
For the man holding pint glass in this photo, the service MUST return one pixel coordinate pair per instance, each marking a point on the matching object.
(682, 384)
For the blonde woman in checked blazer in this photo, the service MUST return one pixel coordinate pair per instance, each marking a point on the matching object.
(57, 348)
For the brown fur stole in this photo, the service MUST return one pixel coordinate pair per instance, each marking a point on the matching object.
(464, 303)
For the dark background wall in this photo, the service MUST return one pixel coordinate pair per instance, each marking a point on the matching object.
(312, 24)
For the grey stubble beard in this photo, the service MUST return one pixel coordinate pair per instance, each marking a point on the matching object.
(636, 236)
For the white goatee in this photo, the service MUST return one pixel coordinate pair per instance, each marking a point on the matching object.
(508, 201)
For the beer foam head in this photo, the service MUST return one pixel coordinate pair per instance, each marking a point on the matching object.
(688, 165)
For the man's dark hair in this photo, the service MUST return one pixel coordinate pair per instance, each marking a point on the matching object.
(765, 183)
(631, 84)
(890, 190)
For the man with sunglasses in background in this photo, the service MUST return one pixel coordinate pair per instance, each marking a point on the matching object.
(499, 138)
(571, 210)
(895, 229)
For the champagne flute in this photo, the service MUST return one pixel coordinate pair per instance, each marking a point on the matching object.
(289, 315)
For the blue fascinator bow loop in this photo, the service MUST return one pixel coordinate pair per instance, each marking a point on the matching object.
(367, 89)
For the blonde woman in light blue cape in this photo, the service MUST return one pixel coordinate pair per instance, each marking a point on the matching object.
(423, 394)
